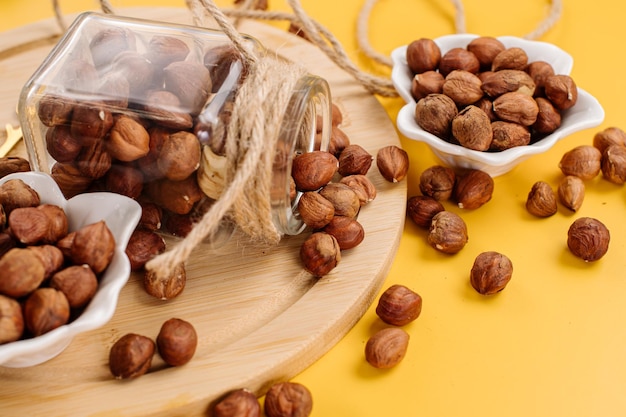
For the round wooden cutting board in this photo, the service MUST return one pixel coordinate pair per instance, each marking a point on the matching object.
(260, 318)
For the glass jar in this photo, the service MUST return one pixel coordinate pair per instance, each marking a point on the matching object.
(133, 106)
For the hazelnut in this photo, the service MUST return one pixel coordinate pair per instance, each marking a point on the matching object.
(288, 399)
(77, 282)
(434, 114)
(93, 160)
(125, 180)
(45, 309)
(61, 145)
(458, 59)
(16, 193)
(128, 139)
(347, 231)
(541, 200)
(548, 118)
(561, 90)
(472, 128)
(392, 163)
(114, 91)
(343, 198)
(220, 61)
(164, 49)
(164, 107)
(94, 245)
(7, 242)
(90, 122)
(142, 246)
(178, 224)
(463, 87)
(571, 192)
(177, 341)
(437, 182)
(22, 272)
(516, 107)
(613, 164)
(51, 258)
(338, 141)
(511, 58)
(486, 105)
(151, 215)
(315, 210)
(485, 48)
(429, 82)
(609, 136)
(131, 356)
(354, 159)
(237, 403)
(583, 161)
(448, 232)
(473, 189)
(168, 287)
(320, 253)
(399, 305)
(107, 43)
(588, 239)
(423, 55)
(11, 320)
(176, 196)
(137, 70)
(491, 272)
(362, 186)
(387, 347)
(43, 224)
(507, 135)
(54, 110)
(12, 164)
(179, 156)
(495, 84)
(190, 82)
(69, 179)
(313, 170)
(421, 209)
(539, 71)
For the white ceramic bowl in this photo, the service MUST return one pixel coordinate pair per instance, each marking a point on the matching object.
(121, 215)
(585, 114)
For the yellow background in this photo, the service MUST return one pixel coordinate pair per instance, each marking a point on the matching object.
(553, 342)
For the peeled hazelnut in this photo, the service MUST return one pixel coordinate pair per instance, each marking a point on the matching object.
(387, 347)
(177, 341)
(609, 136)
(583, 161)
(472, 128)
(434, 114)
(561, 90)
(541, 200)
(131, 356)
(176, 196)
(516, 107)
(399, 305)
(22, 272)
(61, 145)
(315, 210)
(463, 87)
(429, 82)
(392, 163)
(354, 159)
(458, 59)
(507, 135)
(362, 186)
(45, 309)
(510, 58)
(288, 399)
(437, 182)
(343, 198)
(77, 282)
(485, 48)
(491, 272)
(348, 232)
(168, 287)
(142, 246)
(313, 170)
(51, 258)
(190, 82)
(93, 245)
(548, 118)
(11, 320)
(571, 192)
(16, 193)
(448, 232)
(507, 81)
(613, 164)
(320, 253)
(421, 209)
(180, 156)
(237, 403)
(128, 139)
(423, 55)
(473, 189)
(588, 239)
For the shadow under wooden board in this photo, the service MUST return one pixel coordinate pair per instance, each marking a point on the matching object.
(260, 318)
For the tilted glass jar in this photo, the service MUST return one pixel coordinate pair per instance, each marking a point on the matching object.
(132, 106)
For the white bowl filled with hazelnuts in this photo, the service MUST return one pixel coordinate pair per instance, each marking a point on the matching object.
(489, 103)
(63, 265)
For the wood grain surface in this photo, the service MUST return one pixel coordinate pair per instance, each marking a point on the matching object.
(260, 318)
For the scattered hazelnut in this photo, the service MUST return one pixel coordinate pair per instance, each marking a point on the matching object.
(237, 403)
(347, 231)
(609, 136)
(354, 159)
(588, 239)
(613, 164)
(473, 189)
(421, 209)
(437, 182)
(338, 141)
(315, 210)
(131, 356)
(399, 305)
(177, 341)
(168, 287)
(392, 163)
(571, 192)
(288, 399)
(448, 232)
(343, 198)
(320, 253)
(387, 347)
(45, 309)
(362, 186)
(583, 161)
(313, 170)
(491, 272)
(541, 200)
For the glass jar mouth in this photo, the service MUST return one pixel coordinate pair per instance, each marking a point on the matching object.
(306, 127)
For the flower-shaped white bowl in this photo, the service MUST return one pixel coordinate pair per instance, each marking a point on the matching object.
(121, 214)
(585, 114)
